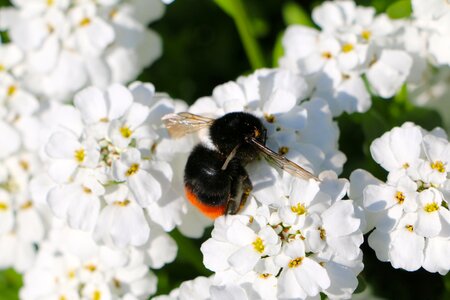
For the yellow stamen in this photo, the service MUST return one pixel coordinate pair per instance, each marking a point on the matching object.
(295, 262)
(299, 209)
(258, 245)
(3, 206)
(2, 68)
(26, 205)
(79, 155)
(117, 283)
(113, 13)
(62, 297)
(283, 150)
(264, 275)
(85, 22)
(12, 89)
(104, 120)
(24, 165)
(125, 131)
(347, 48)
(134, 168)
(327, 55)
(410, 228)
(438, 165)
(323, 233)
(122, 203)
(431, 207)
(91, 267)
(400, 197)
(96, 295)
(366, 34)
(50, 2)
(269, 118)
(87, 190)
(405, 166)
(71, 274)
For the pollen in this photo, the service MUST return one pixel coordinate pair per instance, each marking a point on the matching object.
(50, 2)
(79, 155)
(3, 206)
(438, 165)
(400, 197)
(327, 55)
(264, 275)
(323, 233)
(405, 166)
(283, 150)
(122, 203)
(366, 34)
(2, 68)
(134, 168)
(96, 295)
(410, 228)
(431, 207)
(125, 131)
(299, 209)
(295, 262)
(85, 22)
(62, 297)
(12, 89)
(104, 120)
(269, 118)
(258, 245)
(347, 47)
(26, 205)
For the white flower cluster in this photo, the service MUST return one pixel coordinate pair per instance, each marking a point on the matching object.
(70, 265)
(353, 45)
(107, 176)
(22, 221)
(304, 244)
(68, 45)
(410, 212)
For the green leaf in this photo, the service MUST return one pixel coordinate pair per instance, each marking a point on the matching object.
(10, 282)
(362, 285)
(295, 14)
(399, 10)
(236, 9)
(227, 6)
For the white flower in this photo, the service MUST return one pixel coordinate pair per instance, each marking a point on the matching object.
(122, 219)
(131, 169)
(296, 266)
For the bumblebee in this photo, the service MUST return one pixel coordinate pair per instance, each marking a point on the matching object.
(215, 179)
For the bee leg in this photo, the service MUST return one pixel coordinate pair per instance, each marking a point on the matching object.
(241, 188)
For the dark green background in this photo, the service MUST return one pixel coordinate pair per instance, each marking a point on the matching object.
(202, 49)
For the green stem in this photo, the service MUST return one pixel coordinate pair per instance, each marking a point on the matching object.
(236, 9)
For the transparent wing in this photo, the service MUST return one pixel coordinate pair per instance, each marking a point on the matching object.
(183, 123)
(282, 162)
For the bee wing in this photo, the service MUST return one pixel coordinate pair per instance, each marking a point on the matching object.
(183, 123)
(282, 162)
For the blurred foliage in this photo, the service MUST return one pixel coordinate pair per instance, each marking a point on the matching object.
(203, 48)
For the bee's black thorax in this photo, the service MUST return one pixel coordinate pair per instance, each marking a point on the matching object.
(235, 129)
